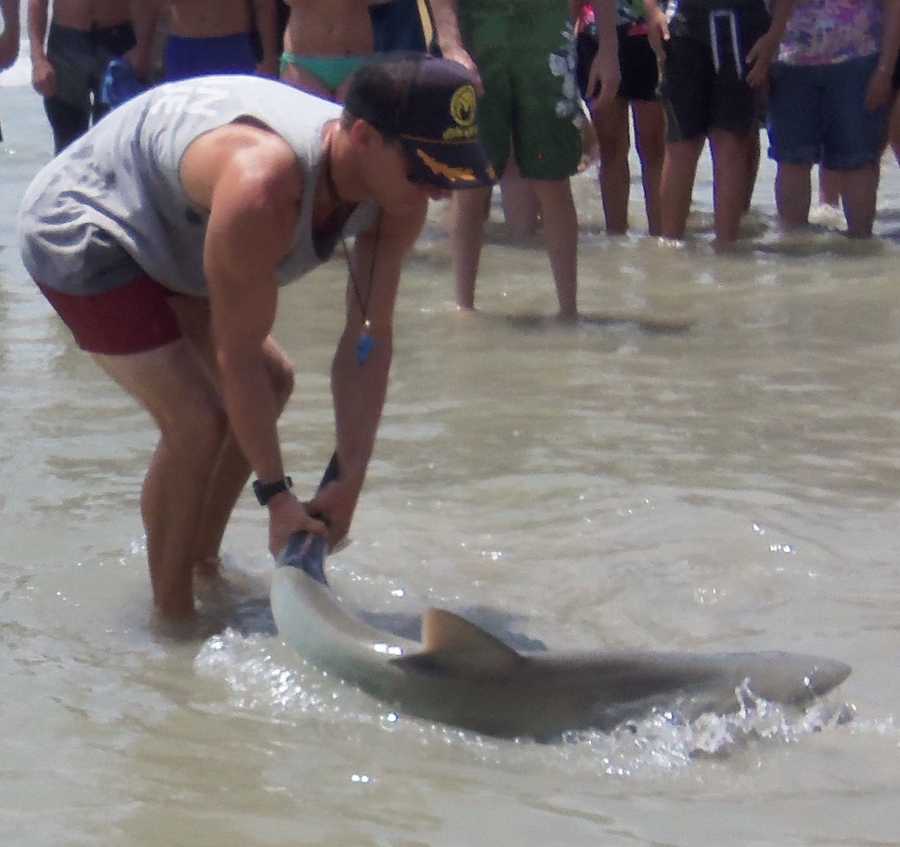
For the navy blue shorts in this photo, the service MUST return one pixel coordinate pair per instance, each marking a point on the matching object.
(186, 58)
(404, 25)
(817, 114)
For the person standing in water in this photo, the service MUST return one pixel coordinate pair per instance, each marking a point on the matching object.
(716, 56)
(829, 104)
(638, 91)
(163, 249)
(84, 35)
(510, 45)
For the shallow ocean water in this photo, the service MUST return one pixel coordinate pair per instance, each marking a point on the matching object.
(707, 462)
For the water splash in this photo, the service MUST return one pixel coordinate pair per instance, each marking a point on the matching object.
(265, 678)
(663, 742)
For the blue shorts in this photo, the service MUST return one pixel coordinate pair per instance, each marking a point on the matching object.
(187, 58)
(817, 114)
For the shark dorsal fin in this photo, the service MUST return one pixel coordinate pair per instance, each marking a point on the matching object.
(452, 644)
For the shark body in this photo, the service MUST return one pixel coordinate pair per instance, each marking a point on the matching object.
(463, 676)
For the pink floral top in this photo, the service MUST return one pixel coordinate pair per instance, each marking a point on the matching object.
(824, 32)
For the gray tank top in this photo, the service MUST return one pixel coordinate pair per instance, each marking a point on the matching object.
(112, 205)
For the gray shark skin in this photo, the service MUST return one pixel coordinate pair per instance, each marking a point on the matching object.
(463, 676)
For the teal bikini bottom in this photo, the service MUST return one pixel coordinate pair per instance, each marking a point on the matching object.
(331, 71)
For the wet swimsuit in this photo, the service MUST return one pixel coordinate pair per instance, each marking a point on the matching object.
(331, 71)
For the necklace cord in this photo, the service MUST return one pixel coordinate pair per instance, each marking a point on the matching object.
(360, 302)
(364, 304)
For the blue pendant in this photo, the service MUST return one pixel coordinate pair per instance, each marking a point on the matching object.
(363, 347)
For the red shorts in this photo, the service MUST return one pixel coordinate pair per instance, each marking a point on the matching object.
(129, 319)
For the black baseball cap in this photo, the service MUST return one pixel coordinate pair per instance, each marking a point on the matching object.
(429, 106)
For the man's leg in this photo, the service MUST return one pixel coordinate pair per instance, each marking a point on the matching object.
(67, 122)
(854, 140)
(520, 205)
(611, 125)
(754, 153)
(792, 194)
(230, 471)
(860, 189)
(677, 184)
(171, 383)
(466, 239)
(687, 95)
(730, 153)
(70, 51)
(650, 141)
(548, 145)
(561, 237)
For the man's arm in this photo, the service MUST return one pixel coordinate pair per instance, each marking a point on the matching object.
(605, 69)
(252, 185)
(9, 40)
(359, 389)
(43, 75)
(446, 23)
(266, 22)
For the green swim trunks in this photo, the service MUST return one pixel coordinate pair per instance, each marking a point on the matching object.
(511, 42)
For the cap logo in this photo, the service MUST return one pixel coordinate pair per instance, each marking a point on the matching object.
(462, 105)
(447, 171)
(462, 110)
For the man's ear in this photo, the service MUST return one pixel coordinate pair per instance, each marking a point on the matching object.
(363, 136)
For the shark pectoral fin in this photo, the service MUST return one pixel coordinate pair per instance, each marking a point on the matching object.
(451, 644)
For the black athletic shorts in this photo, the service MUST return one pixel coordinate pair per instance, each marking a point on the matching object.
(703, 84)
(637, 63)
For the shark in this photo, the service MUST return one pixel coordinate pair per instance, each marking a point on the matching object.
(461, 675)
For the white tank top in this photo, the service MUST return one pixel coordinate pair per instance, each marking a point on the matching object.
(112, 204)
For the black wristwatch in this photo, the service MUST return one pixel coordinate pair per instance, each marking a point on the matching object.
(265, 491)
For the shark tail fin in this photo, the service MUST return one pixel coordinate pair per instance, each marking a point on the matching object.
(451, 644)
